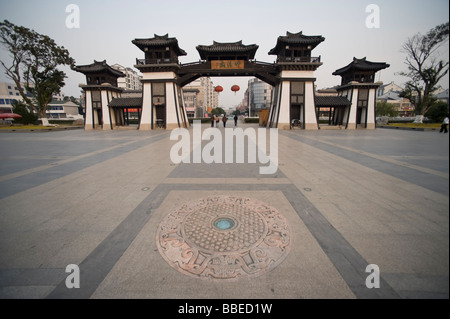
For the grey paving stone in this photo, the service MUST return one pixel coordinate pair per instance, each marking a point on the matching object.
(396, 214)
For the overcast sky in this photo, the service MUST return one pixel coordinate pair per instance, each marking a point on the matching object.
(107, 28)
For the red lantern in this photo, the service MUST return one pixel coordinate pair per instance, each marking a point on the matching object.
(235, 88)
(218, 89)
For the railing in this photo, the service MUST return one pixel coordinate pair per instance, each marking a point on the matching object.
(306, 59)
(200, 62)
(154, 61)
(261, 63)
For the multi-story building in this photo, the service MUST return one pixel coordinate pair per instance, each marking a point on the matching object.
(56, 109)
(8, 93)
(259, 96)
(390, 93)
(62, 110)
(385, 88)
(132, 79)
(205, 99)
(190, 102)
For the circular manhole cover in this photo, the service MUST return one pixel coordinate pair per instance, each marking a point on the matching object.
(224, 238)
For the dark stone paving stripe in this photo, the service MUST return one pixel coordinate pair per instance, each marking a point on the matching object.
(22, 183)
(102, 259)
(435, 183)
(350, 264)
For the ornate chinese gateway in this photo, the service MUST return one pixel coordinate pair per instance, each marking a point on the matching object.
(161, 103)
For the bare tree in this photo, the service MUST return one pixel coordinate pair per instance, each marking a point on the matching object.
(425, 69)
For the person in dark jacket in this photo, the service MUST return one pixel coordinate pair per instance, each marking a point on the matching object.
(224, 120)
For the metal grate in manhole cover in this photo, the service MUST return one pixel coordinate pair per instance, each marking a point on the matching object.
(224, 238)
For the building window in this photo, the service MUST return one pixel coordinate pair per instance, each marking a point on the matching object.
(2, 101)
(297, 92)
(159, 94)
(363, 97)
(9, 87)
(96, 99)
(10, 93)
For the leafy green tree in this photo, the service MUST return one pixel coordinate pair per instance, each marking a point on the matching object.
(71, 99)
(218, 111)
(35, 58)
(437, 112)
(385, 109)
(28, 117)
(425, 70)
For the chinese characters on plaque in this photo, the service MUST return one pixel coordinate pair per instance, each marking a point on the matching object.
(227, 64)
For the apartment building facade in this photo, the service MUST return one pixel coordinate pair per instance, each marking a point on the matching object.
(132, 79)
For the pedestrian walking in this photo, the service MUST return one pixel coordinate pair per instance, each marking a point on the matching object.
(213, 119)
(224, 120)
(217, 120)
(235, 119)
(444, 125)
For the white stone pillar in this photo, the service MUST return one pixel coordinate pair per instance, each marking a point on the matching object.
(88, 123)
(371, 120)
(147, 108)
(105, 110)
(351, 125)
(111, 111)
(310, 107)
(284, 107)
(172, 113)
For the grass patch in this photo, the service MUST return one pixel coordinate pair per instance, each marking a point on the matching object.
(416, 125)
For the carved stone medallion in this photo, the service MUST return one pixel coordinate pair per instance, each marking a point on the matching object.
(224, 238)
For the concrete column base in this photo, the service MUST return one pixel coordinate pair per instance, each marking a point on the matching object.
(171, 126)
(88, 127)
(311, 126)
(284, 126)
(370, 126)
(145, 127)
(351, 126)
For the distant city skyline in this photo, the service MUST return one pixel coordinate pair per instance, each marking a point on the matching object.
(107, 28)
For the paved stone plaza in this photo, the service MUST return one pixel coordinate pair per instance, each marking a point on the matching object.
(114, 204)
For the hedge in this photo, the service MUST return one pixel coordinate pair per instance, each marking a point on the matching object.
(252, 120)
(203, 120)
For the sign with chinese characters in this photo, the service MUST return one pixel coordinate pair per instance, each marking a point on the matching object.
(227, 64)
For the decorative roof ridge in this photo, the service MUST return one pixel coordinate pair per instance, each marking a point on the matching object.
(299, 35)
(290, 34)
(165, 36)
(227, 44)
(296, 38)
(94, 68)
(363, 62)
(158, 41)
